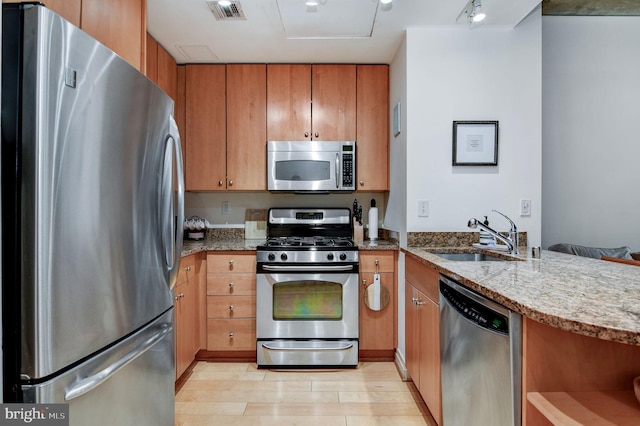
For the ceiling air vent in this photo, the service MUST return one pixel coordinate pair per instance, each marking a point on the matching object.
(232, 12)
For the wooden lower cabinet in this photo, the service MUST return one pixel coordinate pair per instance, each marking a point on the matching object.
(422, 333)
(231, 302)
(188, 315)
(378, 329)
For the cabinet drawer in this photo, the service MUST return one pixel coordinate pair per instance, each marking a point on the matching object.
(236, 334)
(422, 277)
(231, 284)
(230, 307)
(386, 262)
(231, 262)
(187, 269)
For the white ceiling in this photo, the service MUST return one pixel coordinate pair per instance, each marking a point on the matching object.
(341, 31)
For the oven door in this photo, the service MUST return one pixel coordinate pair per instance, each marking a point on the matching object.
(307, 319)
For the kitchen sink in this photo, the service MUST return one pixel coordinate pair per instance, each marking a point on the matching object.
(470, 257)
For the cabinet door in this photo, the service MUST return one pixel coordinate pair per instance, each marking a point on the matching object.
(246, 127)
(206, 152)
(377, 328)
(152, 59)
(68, 9)
(372, 128)
(288, 102)
(333, 92)
(120, 25)
(429, 354)
(167, 73)
(412, 343)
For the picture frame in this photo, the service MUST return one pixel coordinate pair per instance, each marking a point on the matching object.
(475, 143)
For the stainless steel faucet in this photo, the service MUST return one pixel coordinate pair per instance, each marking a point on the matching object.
(512, 241)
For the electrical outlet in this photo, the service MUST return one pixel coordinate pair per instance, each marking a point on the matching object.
(525, 207)
(226, 208)
(423, 208)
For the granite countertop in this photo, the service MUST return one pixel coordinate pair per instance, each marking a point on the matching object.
(587, 296)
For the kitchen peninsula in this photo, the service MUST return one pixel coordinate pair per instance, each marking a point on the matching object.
(581, 328)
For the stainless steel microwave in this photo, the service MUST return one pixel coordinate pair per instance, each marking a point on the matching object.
(311, 166)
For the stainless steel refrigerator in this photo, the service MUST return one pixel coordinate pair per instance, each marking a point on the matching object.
(92, 211)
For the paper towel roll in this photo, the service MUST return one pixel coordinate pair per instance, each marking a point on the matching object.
(373, 221)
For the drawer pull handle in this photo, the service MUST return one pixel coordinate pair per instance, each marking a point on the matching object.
(188, 268)
(231, 335)
(230, 285)
(231, 262)
(231, 307)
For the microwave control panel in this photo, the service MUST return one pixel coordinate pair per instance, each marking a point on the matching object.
(348, 167)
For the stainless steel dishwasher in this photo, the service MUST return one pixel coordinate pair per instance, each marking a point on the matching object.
(481, 359)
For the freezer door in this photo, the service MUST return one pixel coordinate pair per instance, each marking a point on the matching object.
(132, 383)
(94, 189)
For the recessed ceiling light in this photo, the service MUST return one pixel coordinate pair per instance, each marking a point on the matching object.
(311, 3)
(224, 3)
(385, 1)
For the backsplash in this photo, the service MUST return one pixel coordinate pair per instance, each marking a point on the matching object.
(450, 239)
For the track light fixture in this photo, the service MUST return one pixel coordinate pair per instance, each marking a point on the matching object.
(476, 14)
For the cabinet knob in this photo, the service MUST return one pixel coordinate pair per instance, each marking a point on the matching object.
(230, 183)
(414, 299)
(316, 135)
(230, 285)
(364, 282)
(188, 268)
(306, 134)
(220, 183)
(231, 307)
(231, 335)
(361, 183)
(231, 262)
(176, 297)
(181, 295)
(419, 303)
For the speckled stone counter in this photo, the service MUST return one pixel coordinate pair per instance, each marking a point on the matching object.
(377, 245)
(191, 247)
(583, 295)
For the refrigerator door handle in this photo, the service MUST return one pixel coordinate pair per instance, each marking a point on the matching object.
(153, 336)
(173, 220)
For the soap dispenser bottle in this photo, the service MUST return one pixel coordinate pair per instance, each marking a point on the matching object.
(485, 237)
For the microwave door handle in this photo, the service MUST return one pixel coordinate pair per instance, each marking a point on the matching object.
(337, 170)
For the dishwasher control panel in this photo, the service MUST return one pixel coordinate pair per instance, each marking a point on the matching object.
(475, 312)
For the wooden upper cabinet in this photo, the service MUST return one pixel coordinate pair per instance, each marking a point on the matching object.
(372, 128)
(246, 127)
(333, 111)
(205, 159)
(167, 77)
(152, 59)
(311, 102)
(120, 25)
(288, 102)
(68, 9)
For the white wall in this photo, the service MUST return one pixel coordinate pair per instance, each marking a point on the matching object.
(591, 141)
(442, 74)
(458, 73)
(396, 212)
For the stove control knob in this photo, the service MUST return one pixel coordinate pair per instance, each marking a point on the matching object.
(283, 256)
(330, 256)
(343, 256)
(272, 256)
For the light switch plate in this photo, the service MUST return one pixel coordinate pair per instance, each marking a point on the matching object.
(423, 208)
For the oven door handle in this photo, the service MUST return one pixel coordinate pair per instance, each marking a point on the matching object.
(314, 268)
(341, 347)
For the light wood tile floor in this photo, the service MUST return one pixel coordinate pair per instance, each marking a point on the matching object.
(234, 394)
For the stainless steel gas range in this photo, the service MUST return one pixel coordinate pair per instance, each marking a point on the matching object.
(307, 290)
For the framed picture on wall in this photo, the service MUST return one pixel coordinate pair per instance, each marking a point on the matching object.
(475, 143)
